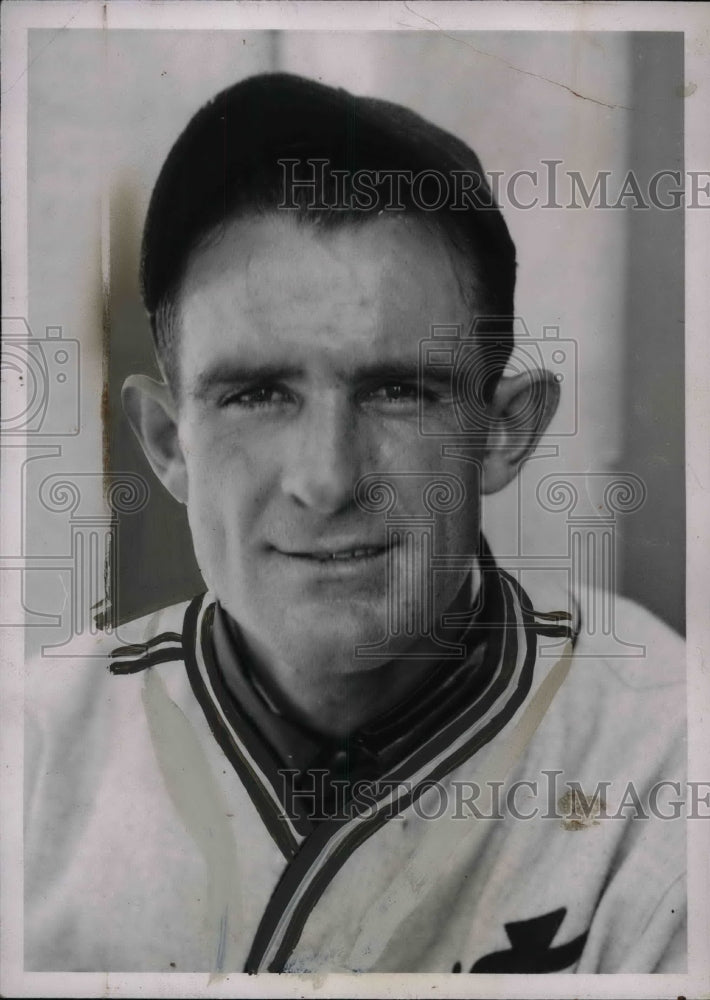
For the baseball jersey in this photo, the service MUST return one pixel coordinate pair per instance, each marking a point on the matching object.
(531, 833)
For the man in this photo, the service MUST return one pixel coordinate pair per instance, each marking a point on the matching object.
(305, 769)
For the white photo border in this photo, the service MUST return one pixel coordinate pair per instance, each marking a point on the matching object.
(694, 21)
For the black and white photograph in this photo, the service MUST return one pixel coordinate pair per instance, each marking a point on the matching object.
(355, 469)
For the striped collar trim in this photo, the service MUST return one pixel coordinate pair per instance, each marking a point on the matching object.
(333, 842)
(132, 658)
(316, 858)
(510, 675)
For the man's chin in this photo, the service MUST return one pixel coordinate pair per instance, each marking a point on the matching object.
(334, 634)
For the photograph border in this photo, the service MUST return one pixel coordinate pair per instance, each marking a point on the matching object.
(694, 21)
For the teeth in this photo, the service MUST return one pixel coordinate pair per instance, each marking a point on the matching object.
(349, 554)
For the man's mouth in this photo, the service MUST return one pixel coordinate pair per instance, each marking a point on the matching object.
(342, 555)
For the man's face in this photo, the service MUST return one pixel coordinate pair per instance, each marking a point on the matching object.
(298, 357)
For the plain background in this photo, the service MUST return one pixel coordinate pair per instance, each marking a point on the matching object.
(104, 109)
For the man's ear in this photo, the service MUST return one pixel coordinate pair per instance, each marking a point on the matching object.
(152, 413)
(523, 405)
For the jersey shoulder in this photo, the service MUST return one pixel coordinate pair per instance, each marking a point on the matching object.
(65, 680)
(626, 695)
(633, 644)
(628, 668)
(638, 649)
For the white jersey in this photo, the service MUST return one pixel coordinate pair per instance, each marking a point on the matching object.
(156, 838)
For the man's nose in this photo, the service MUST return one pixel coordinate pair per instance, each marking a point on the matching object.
(322, 466)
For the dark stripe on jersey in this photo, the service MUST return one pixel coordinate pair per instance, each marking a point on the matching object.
(551, 616)
(554, 631)
(299, 868)
(249, 734)
(138, 648)
(570, 631)
(157, 656)
(501, 652)
(277, 828)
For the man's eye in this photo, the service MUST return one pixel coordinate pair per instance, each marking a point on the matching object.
(395, 392)
(256, 397)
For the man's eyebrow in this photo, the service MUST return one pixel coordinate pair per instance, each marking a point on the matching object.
(219, 376)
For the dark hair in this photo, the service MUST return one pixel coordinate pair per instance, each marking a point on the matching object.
(235, 153)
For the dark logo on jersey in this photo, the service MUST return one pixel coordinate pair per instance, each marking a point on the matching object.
(531, 949)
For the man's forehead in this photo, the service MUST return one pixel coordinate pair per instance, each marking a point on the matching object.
(277, 290)
(263, 264)
(248, 247)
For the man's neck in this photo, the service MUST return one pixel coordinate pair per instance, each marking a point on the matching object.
(337, 706)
